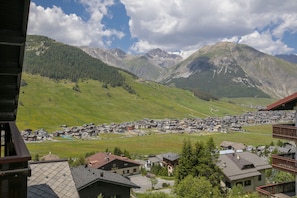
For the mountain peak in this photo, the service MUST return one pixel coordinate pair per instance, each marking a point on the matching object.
(227, 48)
(159, 53)
(118, 52)
(224, 65)
(162, 58)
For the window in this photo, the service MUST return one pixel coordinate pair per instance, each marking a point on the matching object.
(247, 183)
(259, 177)
(128, 171)
(134, 170)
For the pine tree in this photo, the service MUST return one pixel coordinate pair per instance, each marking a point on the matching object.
(199, 161)
(117, 151)
(185, 162)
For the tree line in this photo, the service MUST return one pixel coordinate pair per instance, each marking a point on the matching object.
(57, 61)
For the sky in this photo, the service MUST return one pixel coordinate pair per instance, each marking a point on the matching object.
(177, 26)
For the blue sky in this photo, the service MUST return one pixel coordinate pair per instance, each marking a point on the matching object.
(180, 26)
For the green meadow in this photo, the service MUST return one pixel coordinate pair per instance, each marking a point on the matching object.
(149, 144)
(48, 104)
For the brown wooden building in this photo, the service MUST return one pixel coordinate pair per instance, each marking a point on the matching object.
(113, 163)
(284, 162)
(14, 155)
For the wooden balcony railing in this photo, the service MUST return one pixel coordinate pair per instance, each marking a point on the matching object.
(271, 189)
(14, 158)
(284, 131)
(285, 162)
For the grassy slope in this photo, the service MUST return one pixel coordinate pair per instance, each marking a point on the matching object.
(251, 101)
(47, 104)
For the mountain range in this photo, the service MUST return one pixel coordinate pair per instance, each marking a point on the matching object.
(221, 70)
(235, 70)
(149, 66)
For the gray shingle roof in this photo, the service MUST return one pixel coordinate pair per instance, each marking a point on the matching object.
(84, 176)
(51, 179)
(240, 162)
(234, 145)
(169, 156)
(233, 169)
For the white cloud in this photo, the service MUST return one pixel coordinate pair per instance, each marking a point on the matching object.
(180, 25)
(70, 28)
(288, 24)
(97, 8)
(264, 42)
(174, 25)
(233, 39)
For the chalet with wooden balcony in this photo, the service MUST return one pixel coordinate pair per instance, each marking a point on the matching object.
(14, 155)
(288, 161)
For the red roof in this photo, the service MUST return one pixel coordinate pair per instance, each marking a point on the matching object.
(100, 159)
(287, 103)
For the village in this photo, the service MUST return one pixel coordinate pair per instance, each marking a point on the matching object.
(110, 174)
(143, 127)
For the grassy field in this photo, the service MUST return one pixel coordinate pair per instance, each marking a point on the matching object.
(149, 144)
(47, 104)
(252, 101)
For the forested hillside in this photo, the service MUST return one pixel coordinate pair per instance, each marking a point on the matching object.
(55, 60)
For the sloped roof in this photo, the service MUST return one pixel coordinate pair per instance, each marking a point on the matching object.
(287, 103)
(100, 159)
(51, 179)
(13, 31)
(85, 176)
(233, 169)
(234, 145)
(170, 156)
(241, 163)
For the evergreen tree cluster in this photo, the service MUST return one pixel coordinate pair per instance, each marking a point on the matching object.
(57, 61)
(203, 95)
(117, 151)
(199, 161)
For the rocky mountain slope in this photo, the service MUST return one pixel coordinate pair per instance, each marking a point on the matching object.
(235, 70)
(150, 66)
(220, 70)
